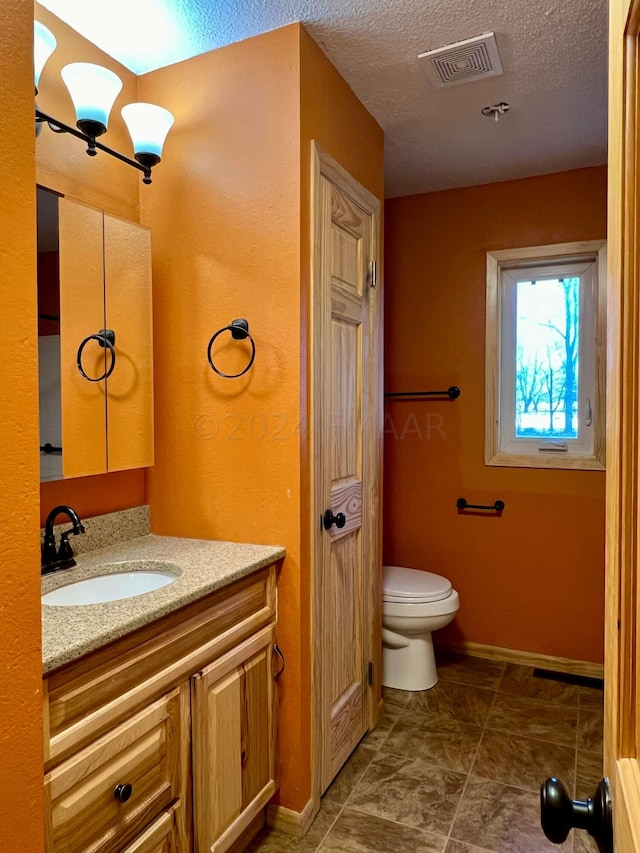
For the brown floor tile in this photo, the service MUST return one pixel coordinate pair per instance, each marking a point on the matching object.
(591, 698)
(448, 744)
(520, 681)
(523, 762)
(590, 730)
(463, 669)
(589, 773)
(395, 701)
(525, 717)
(461, 847)
(500, 818)
(354, 832)
(409, 791)
(376, 737)
(451, 701)
(350, 775)
(271, 841)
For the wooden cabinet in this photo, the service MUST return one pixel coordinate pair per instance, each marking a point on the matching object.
(160, 837)
(164, 740)
(105, 283)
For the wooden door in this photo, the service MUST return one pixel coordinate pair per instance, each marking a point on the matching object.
(622, 660)
(233, 742)
(346, 452)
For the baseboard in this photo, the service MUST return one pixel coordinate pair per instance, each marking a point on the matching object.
(291, 822)
(479, 650)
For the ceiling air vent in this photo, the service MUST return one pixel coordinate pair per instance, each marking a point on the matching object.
(464, 61)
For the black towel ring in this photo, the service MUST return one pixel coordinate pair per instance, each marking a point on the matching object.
(239, 332)
(106, 338)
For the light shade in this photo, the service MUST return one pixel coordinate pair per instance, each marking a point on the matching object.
(93, 90)
(148, 127)
(44, 44)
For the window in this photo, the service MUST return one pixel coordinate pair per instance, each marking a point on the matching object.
(545, 356)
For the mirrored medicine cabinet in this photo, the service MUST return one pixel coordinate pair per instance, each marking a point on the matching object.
(95, 349)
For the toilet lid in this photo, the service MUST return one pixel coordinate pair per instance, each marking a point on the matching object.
(410, 585)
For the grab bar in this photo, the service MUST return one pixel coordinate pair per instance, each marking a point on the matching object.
(452, 393)
(497, 506)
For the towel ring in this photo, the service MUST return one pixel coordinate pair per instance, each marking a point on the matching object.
(106, 338)
(239, 332)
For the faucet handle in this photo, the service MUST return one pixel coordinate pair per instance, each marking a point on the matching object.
(65, 551)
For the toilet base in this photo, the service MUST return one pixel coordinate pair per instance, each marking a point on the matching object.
(410, 667)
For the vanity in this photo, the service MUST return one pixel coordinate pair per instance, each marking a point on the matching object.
(160, 709)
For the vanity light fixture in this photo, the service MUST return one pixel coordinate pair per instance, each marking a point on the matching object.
(93, 90)
(44, 43)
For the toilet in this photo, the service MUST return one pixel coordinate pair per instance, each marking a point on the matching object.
(414, 603)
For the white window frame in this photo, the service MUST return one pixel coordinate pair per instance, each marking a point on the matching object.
(504, 268)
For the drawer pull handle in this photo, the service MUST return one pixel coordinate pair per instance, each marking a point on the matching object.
(123, 792)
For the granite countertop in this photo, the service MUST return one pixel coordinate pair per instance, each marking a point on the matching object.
(68, 633)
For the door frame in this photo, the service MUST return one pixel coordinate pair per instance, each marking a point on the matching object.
(323, 165)
(622, 606)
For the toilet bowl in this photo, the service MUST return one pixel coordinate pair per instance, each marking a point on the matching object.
(414, 604)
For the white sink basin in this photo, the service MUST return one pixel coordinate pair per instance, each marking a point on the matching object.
(114, 581)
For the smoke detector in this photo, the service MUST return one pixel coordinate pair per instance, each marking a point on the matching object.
(464, 61)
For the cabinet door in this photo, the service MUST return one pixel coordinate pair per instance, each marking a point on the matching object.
(233, 742)
(84, 449)
(105, 283)
(127, 294)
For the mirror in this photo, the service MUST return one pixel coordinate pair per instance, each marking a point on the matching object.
(95, 343)
(50, 391)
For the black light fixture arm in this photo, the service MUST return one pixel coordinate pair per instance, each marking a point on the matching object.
(92, 143)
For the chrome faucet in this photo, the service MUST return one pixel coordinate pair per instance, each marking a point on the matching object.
(61, 558)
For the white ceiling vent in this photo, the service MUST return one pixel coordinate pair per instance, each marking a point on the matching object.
(464, 61)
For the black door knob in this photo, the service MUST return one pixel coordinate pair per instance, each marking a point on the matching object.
(123, 792)
(329, 519)
(559, 813)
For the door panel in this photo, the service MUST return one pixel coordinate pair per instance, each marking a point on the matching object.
(345, 440)
(345, 406)
(233, 754)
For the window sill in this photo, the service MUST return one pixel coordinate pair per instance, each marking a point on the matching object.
(557, 461)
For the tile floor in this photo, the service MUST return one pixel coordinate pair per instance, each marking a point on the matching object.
(458, 768)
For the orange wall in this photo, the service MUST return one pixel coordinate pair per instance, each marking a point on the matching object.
(533, 579)
(21, 809)
(227, 211)
(103, 182)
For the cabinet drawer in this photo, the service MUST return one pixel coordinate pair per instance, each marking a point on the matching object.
(160, 837)
(83, 810)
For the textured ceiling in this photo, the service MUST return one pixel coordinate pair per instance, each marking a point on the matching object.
(554, 54)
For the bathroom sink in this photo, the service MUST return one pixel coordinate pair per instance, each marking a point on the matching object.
(113, 582)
